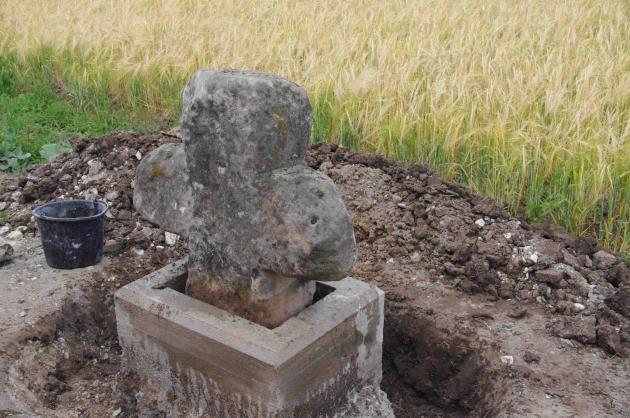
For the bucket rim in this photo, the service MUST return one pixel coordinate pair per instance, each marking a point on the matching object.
(102, 206)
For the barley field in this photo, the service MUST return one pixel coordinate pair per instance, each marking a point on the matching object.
(527, 101)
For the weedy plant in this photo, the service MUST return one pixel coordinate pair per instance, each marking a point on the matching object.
(527, 101)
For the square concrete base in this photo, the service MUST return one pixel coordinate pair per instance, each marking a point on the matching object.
(226, 366)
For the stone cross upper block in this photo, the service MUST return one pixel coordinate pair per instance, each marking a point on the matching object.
(257, 207)
(244, 123)
(261, 224)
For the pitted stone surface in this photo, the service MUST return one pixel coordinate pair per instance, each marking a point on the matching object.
(163, 194)
(263, 224)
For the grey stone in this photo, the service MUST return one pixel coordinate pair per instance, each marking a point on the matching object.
(111, 196)
(570, 259)
(6, 251)
(576, 280)
(579, 328)
(369, 401)
(163, 194)
(264, 224)
(604, 260)
(15, 235)
(550, 276)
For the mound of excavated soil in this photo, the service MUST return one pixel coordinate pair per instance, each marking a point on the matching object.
(486, 315)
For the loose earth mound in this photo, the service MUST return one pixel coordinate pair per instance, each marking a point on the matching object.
(486, 315)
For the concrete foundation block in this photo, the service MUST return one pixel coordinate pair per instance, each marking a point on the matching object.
(225, 366)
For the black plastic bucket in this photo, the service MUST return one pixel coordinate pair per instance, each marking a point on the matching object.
(72, 232)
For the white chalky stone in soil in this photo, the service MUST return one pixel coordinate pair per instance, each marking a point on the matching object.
(15, 235)
(170, 238)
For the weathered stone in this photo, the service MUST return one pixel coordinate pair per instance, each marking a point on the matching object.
(620, 302)
(530, 357)
(619, 275)
(6, 251)
(550, 276)
(604, 260)
(608, 338)
(370, 401)
(586, 245)
(576, 280)
(163, 194)
(15, 235)
(581, 329)
(264, 223)
(570, 259)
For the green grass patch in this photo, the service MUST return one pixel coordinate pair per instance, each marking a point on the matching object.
(38, 115)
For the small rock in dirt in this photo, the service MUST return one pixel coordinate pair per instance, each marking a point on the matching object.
(140, 238)
(556, 233)
(111, 196)
(581, 329)
(170, 238)
(5, 229)
(585, 260)
(604, 260)
(619, 275)
(453, 270)
(578, 307)
(480, 223)
(38, 190)
(550, 276)
(620, 302)
(509, 360)
(15, 235)
(21, 218)
(22, 314)
(577, 281)
(530, 357)
(408, 218)
(490, 208)
(420, 231)
(3, 206)
(112, 247)
(608, 339)
(585, 245)
(15, 196)
(116, 412)
(6, 252)
(570, 259)
(517, 312)
(90, 194)
(96, 167)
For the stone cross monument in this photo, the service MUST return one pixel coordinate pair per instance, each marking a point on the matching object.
(261, 224)
(264, 232)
